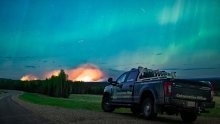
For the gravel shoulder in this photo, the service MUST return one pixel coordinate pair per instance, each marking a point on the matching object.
(59, 115)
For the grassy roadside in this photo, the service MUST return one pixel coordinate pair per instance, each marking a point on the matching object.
(2, 91)
(75, 102)
(90, 102)
(216, 111)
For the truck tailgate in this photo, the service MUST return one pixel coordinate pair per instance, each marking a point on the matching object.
(191, 90)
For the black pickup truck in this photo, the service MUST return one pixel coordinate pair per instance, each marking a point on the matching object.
(149, 92)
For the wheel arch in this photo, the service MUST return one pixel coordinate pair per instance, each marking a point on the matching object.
(146, 94)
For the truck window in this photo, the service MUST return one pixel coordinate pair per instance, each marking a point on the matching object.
(146, 75)
(132, 76)
(121, 79)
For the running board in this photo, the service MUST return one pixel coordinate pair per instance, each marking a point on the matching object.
(121, 104)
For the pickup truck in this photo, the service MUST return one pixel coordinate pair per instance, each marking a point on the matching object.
(148, 92)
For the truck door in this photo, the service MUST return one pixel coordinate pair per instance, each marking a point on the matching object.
(117, 93)
(128, 86)
(125, 87)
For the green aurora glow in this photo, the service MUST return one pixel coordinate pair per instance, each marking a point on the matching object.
(181, 35)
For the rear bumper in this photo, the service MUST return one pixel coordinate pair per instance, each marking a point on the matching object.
(190, 104)
(178, 105)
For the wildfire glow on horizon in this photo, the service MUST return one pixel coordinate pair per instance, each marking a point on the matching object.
(29, 77)
(85, 73)
(52, 73)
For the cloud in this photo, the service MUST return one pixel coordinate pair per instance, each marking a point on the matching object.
(15, 58)
(7, 57)
(187, 69)
(30, 66)
(44, 61)
(141, 57)
(159, 54)
(201, 68)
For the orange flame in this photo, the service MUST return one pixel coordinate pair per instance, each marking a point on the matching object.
(52, 73)
(29, 77)
(85, 73)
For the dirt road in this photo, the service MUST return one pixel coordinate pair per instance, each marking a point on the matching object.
(13, 113)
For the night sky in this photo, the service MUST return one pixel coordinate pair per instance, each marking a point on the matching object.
(37, 36)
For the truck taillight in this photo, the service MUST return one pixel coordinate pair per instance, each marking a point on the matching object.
(167, 88)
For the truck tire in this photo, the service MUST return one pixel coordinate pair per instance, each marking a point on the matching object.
(148, 109)
(106, 107)
(188, 116)
(136, 110)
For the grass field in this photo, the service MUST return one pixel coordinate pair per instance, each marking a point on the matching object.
(2, 91)
(90, 102)
(75, 101)
(216, 111)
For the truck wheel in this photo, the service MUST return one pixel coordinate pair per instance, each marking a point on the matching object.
(148, 109)
(106, 107)
(188, 116)
(136, 110)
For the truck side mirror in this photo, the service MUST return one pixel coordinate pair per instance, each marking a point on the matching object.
(114, 83)
(110, 80)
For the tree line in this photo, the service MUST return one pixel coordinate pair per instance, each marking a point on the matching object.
(59, 86)
(56, 86)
